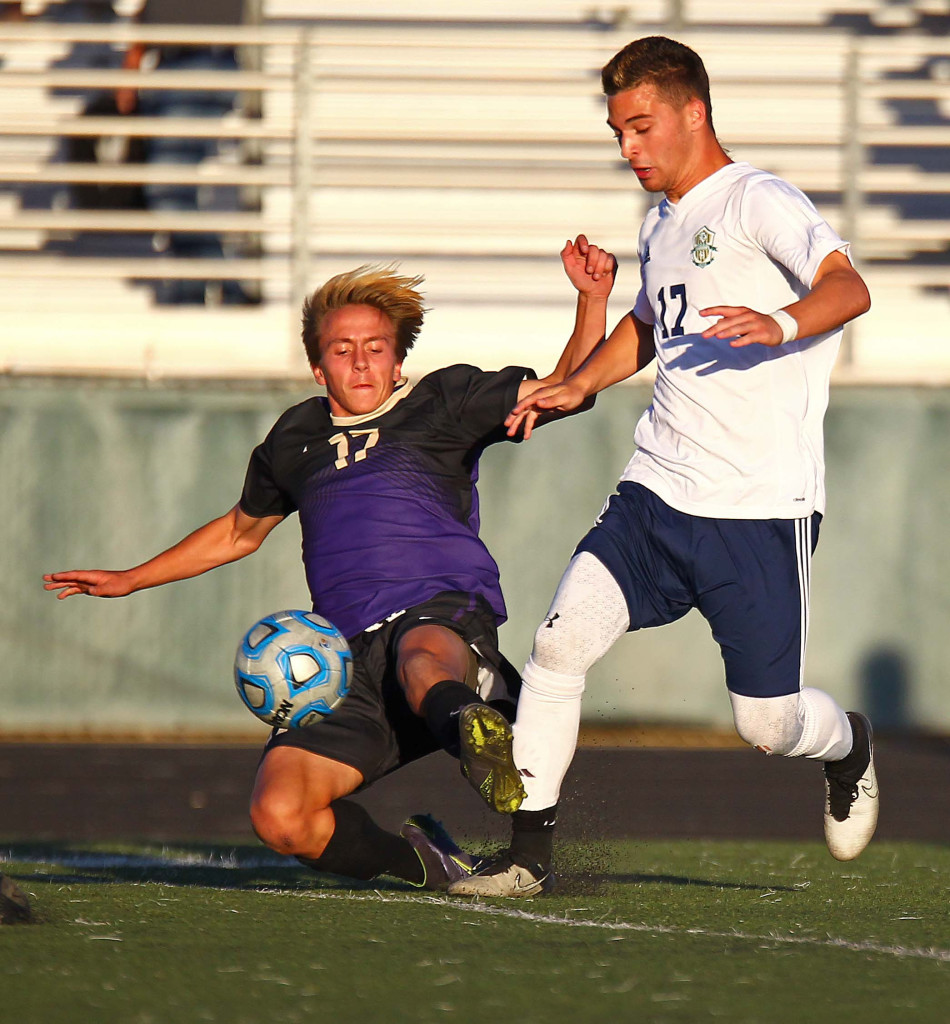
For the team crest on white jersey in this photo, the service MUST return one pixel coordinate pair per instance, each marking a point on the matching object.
(703, 251)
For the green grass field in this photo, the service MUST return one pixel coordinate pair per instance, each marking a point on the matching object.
(651, 931)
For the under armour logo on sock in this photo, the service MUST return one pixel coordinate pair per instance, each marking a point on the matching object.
(548, 623)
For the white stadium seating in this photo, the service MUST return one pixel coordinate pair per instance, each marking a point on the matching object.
(468, 149)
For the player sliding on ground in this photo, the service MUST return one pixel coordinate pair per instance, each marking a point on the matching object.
(382, 475)
(744, 292)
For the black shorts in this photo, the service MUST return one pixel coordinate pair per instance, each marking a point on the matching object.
(374, 730)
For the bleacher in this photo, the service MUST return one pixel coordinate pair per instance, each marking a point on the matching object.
(467, 147)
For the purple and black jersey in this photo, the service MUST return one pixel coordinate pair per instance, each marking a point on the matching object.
(387, 501)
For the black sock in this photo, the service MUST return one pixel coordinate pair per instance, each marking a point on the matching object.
(441, 707)
(359, 848)
(857, 757)
(532, 838)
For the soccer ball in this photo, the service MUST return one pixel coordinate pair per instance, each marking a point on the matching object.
(292, 669)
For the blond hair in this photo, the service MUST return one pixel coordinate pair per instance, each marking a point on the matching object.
(382, 288)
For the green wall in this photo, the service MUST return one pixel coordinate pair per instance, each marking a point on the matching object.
(104, 474)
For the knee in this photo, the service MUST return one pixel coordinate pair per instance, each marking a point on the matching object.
(566, 646)
(416, 677)
(573, 639)
(427, 655)
(282, 823)
(770, 724)
(543, 652)
(561, 644)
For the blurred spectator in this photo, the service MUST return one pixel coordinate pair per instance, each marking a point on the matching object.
(107, 150)
(11, 11)
(181, 103)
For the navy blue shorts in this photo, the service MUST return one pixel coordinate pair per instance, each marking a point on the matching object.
(748, 577)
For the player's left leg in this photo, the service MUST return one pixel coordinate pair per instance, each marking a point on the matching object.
(811, 724)
(757, 602)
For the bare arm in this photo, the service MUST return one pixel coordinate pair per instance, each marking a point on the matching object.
(226, 539)
(838, 294)
(629, 348)
(592, 271)
(127, 99)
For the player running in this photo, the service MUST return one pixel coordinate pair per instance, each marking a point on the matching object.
(382, 474)
(744, 292)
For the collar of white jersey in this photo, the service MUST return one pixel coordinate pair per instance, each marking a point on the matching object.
(709, 184)
(403, 387)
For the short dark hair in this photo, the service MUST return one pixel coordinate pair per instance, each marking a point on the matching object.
(382, 288)
(674, 70)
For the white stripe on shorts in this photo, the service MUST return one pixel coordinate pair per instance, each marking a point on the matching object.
(803, 553)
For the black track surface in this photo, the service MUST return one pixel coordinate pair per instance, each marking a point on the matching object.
(80, 791)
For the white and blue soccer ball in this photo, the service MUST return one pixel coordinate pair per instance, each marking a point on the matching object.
(292, 669)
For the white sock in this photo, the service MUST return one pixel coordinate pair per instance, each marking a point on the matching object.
(545, 732)
(826, 731)
(586, 617)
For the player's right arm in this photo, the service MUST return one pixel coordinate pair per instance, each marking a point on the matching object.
(225, 539)
(629, 348)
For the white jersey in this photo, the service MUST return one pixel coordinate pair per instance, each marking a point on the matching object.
(733, 433)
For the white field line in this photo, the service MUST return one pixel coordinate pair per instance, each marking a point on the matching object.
(103, 861)
(902, 952)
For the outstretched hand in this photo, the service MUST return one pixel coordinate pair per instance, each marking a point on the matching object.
(94, 582)
(562, 398)
(742, 326)
(592, 270)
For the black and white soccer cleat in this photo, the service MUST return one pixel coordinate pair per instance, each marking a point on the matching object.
(851, 794)
(505, 878)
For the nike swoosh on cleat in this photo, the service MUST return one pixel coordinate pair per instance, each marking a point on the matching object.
(518, 887)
